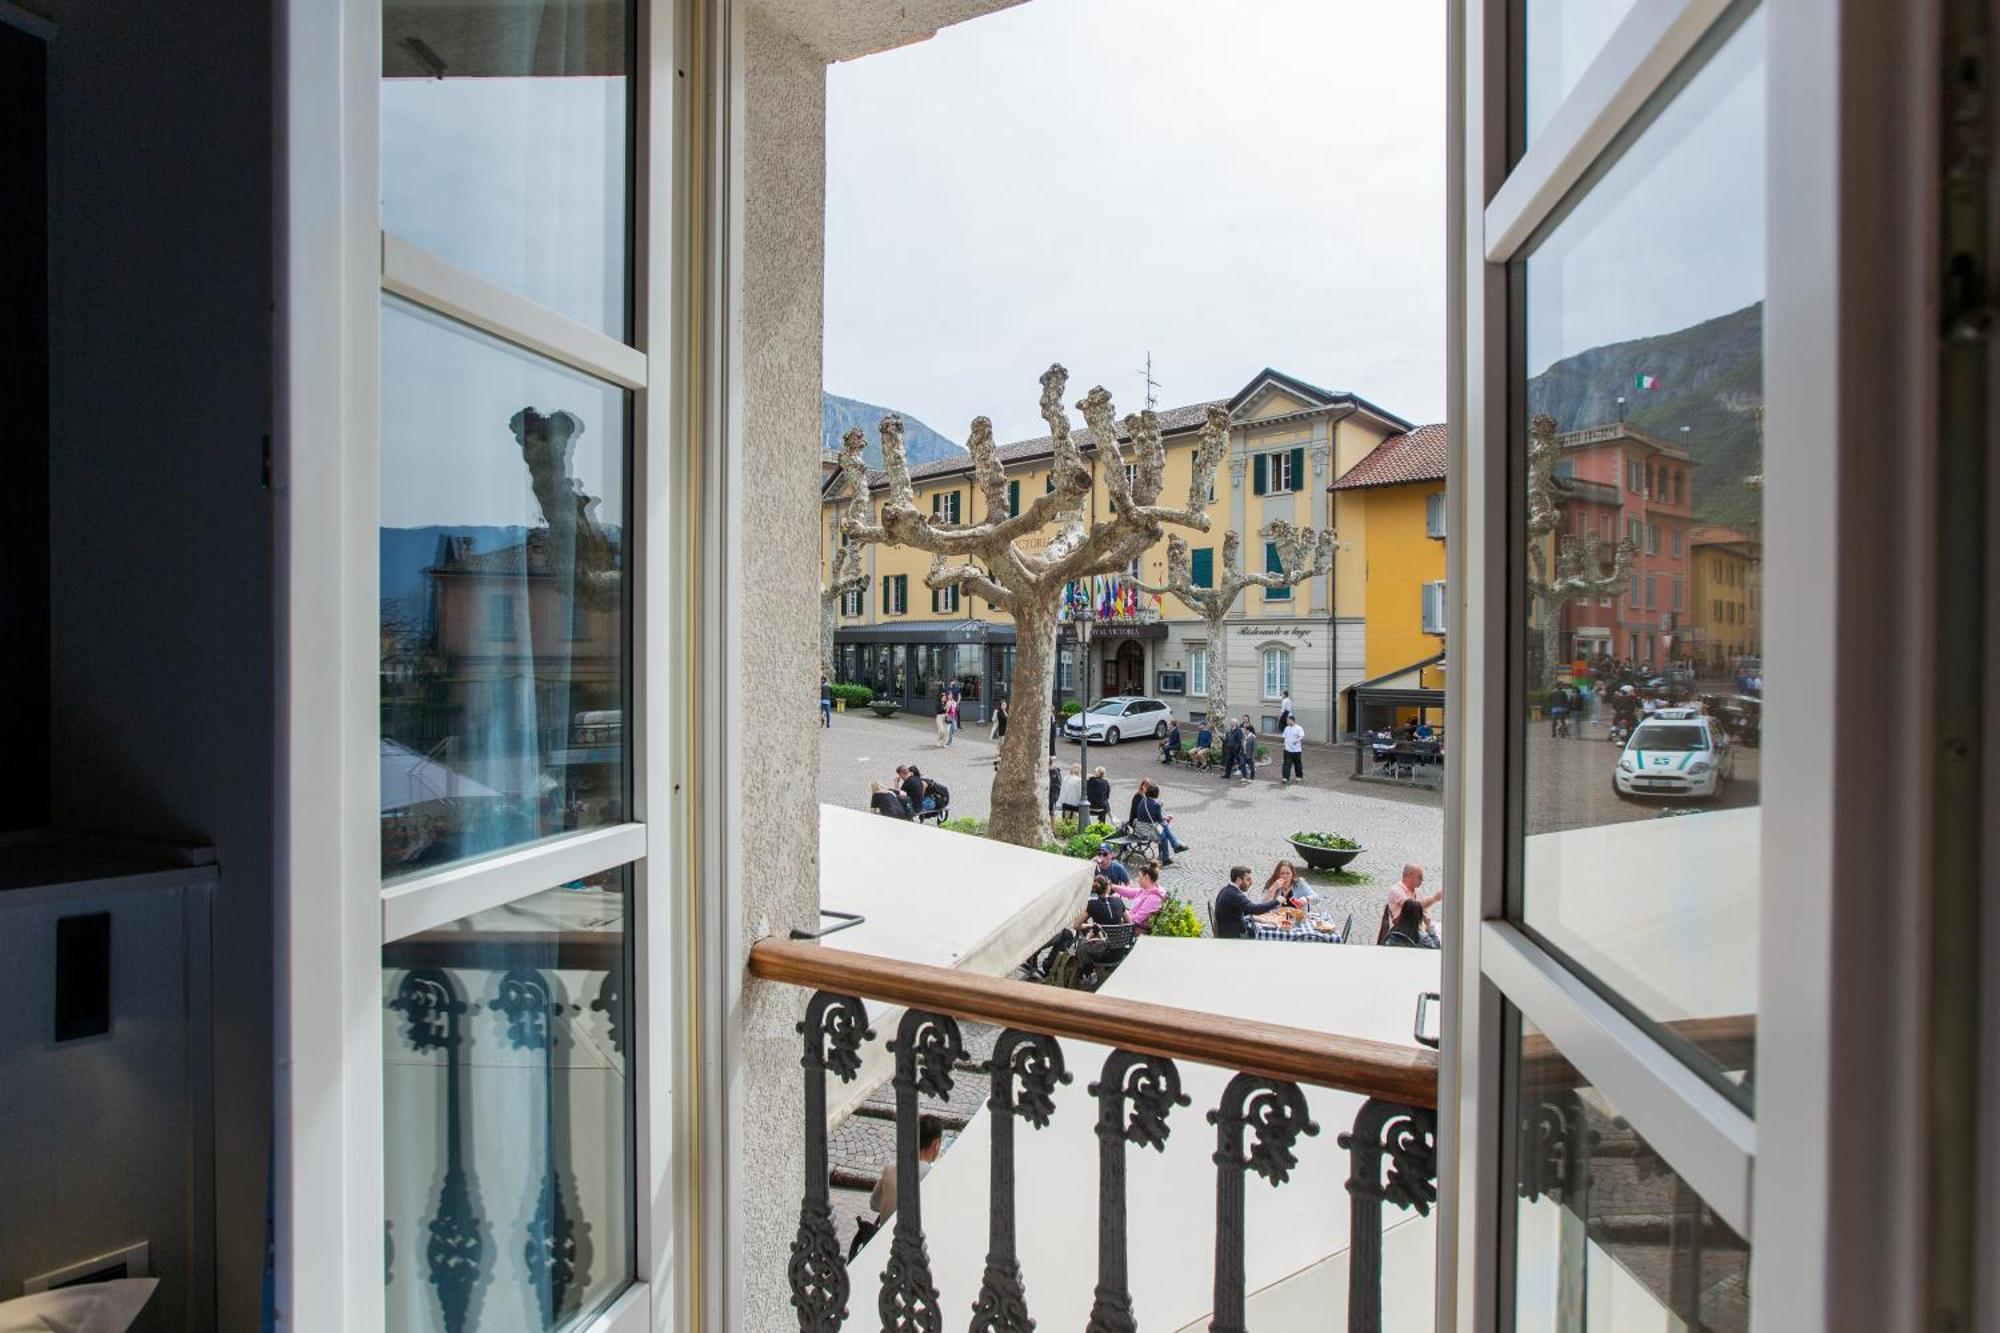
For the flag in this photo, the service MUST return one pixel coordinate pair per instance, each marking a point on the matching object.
(1645, 381)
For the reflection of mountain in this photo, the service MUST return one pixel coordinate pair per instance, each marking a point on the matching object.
(921, 444)
(1711, 379)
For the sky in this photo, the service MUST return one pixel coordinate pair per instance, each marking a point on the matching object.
(1229, 185)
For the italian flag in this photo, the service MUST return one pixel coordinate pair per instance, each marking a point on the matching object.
(1644, 381)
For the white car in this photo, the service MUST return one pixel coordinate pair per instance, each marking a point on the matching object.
(1679, 756)
(1109, 721)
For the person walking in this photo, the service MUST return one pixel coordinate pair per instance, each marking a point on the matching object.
(951, 718)
(1559, 711)
(999, 729)
(1247, 756)
(1295, 752)
(943, 718)
(825, 700)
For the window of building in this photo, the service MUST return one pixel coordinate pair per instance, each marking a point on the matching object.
(944, 601)
(895, 594)
(1275, 564)
(944, 506)
(1652, 539)
(1677, 538)
(1014, 499)
(1198, 671)
(1277, 672)
(1675, 591)
(1433, 607)
(1652, 589)
(1277, 473)
(500, 615)
(1434, 515)
(1201, 567)
(850, 602)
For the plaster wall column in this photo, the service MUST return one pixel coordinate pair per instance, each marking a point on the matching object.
(772, 504)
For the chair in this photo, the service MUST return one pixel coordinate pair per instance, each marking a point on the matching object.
(1138, 841)
(1347, 929)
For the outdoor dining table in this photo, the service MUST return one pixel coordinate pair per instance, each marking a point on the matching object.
(1302, 933)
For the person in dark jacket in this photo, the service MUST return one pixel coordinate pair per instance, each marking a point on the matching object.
(1233, 906)
(1097, 795)
(911, 784)
(1411, 931)
(886, 802)
(1170, 747)
(1104, 908)
(1232, 748)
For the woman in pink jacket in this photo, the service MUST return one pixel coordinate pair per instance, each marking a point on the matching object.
(1144, 898)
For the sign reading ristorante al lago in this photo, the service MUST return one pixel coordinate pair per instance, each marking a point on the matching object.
(1275, 632)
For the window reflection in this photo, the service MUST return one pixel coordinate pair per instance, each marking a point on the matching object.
(1607, 1235)
(507, 1114)
(1563, 37)
(503, 598)
(505, 145)
(1641, 600)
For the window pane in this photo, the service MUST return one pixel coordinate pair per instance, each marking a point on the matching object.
(1644, 315)
(503, 595)
(507, 1122)
(505, 146)
(1606, 1234)
(1564, 36)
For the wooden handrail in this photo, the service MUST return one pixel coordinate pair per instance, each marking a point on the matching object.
(1406, 1074)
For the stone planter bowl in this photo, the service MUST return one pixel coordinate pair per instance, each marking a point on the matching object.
(884, 710)
(1325, 858)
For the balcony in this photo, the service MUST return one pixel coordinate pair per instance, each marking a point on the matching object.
(1262, 1085)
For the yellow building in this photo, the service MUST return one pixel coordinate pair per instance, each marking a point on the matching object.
(1393, 541)
(1288, 440)
(1726, 617)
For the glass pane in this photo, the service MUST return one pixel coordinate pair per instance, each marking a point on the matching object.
(507, 1122)
(503, 595)
(505, 145)
(1642, 609)
(1564, 36)
(1607, 1236)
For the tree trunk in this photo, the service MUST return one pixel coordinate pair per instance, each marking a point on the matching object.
(1218, 674)
(1020, 804)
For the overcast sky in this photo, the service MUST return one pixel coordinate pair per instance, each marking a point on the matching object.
(1228, 184)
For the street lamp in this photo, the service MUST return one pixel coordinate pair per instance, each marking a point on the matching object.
(1082, 619)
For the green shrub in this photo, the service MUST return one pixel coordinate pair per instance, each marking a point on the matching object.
(1332, 841)
(854, 696)
(965, 824)
(1176, 919)
(1081, 843)
(1071, 708)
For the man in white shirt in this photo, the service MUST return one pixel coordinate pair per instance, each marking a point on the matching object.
(930, 1139)
(1295, 752)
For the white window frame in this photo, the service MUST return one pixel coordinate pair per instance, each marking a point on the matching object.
(1434, 516)
(1271, 473)
(1279, 655)
(336, 266)
(944, 601)
(1852, 148)
(1198, 671)
(895, 594)
(851, 602)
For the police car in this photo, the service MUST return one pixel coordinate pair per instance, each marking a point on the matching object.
(1686, 754)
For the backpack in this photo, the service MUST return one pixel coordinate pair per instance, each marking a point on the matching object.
(937, 792)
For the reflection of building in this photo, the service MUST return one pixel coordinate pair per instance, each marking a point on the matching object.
(1727, 616)
(1288, 440)
(1621, 484)
(513, 683)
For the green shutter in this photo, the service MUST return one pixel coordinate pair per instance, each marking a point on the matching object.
(1274, 565)
(1257, 478)
(1201, 567)
(1298, 469)
(885, 594)
(1013, 498)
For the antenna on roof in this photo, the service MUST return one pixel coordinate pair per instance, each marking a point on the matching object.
(1152, 385)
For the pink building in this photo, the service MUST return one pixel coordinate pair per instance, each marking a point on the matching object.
(1622, 484)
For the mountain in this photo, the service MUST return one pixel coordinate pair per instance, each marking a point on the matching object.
(1711, 379)
(921, 444)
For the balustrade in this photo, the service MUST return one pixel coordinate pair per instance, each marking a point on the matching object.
(1261, 1115)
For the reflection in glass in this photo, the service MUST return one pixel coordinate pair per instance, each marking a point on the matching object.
(506, 1114)
(503, 596)
(1564, 36)
(1607, 1236)
(1643, 474)
(505, 145)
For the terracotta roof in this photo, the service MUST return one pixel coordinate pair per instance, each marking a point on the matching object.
(1417, 455)
(1712, 534)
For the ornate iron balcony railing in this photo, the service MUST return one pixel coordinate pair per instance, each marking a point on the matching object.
(1392, 1146)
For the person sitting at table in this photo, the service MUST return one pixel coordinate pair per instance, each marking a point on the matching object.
(1233, 906)
(1143, 899)
(1102, 908)
(1411, 931)
(1407, 888)
(1423, 732)
(1170, 746)
(1285, 883)
(1109, 866)
(1097, 795)
(886, 802)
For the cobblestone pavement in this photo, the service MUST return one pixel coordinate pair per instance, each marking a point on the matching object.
(1225, 823)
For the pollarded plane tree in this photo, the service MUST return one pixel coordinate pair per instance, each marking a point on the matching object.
(847, 573)
(1000, 560)
(1579, 572)
(1302, 554)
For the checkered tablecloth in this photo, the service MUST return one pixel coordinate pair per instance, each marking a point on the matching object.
(1302, 933)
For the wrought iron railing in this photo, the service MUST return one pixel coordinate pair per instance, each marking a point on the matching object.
(1392, 1146)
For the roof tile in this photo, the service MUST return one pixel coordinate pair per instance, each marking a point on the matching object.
(1418, 455)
